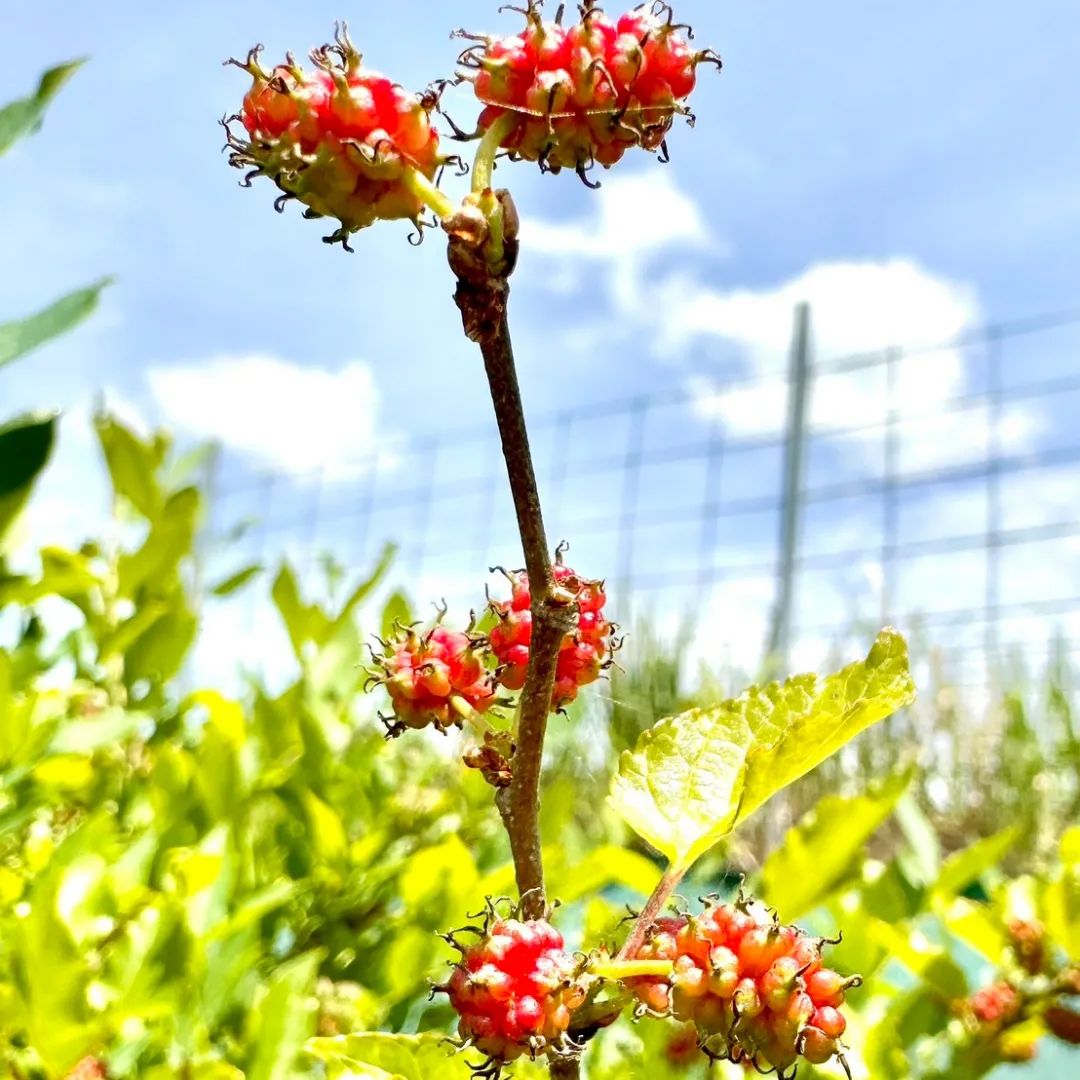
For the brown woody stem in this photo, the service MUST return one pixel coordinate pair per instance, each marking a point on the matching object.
(483, 249)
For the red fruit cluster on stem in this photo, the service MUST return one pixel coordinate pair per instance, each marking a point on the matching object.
(757, 991)
(515, 989)
(589, 92)
(346, 141)
(584, 652)
(995, 1004)
(436, 678)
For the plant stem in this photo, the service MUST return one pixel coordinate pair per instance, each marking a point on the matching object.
(568, 1068)
(632, 969)
(661, 894)
(520, 803)
(484, 162)
(427, 193)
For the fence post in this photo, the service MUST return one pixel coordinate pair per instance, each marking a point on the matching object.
(794, 446)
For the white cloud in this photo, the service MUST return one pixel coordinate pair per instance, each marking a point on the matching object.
(635, 217)
(856, 308)
(636, 214)
(298, 418)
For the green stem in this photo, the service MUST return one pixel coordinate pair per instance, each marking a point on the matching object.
(488, 148)
(615, 970)
(471, 716)
(427, 192)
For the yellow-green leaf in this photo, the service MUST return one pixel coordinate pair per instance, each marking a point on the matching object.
(24, 335)
(390, 1057)
(23, 116)
(820, 851)
(693, 778)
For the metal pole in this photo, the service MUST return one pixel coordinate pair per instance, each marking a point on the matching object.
(798, 394)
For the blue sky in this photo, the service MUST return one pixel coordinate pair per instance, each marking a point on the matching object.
(910, 169)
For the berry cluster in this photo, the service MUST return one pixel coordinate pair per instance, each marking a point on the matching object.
(344, 140)
(436, 678)
(756, 990)
(515, 989)
(584, 653)
(994, 1005)
(586, 93)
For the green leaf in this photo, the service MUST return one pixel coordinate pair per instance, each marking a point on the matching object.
(693, 778)
(24, 116)
(287, 1019)
(25, 446)
(235, 582)
(23, 335)
(821, 852)
(1061, 901)
(396, 612)
(133, 465)
(365, 588)
(171, 539)
(390, 1057)
(964, 867)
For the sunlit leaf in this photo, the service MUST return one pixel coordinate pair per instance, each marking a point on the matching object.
(287, 1019)
(20, 336)
(820, 852)
(133, 464)
(390, 1057)
(693, 778)
(964, 867)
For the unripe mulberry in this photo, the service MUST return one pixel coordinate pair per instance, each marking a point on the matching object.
(756, 990)
(585, 652)
(515, 989)
(588, 93)
(345, 141)
(434, 678)
(1027, 939)
(994, 1005)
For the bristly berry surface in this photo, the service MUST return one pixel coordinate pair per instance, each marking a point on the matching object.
(586, 93)
(514, 990)
(585, 652)
(345, 141)
(757, 991)
(436, 678)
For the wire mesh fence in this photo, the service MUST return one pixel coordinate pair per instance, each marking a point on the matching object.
(938, 492)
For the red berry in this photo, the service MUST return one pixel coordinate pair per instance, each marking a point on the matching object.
(341, 139)
(995, 1004)
(434, 678)
(580, 95)
(584, 652)
(515, 989)
(755, 989)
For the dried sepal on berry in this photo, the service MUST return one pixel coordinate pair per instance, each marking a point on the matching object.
(570, 97)
(515, 988)
(585, 653)
(434, 678)
(756, 990)
(344, 140)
